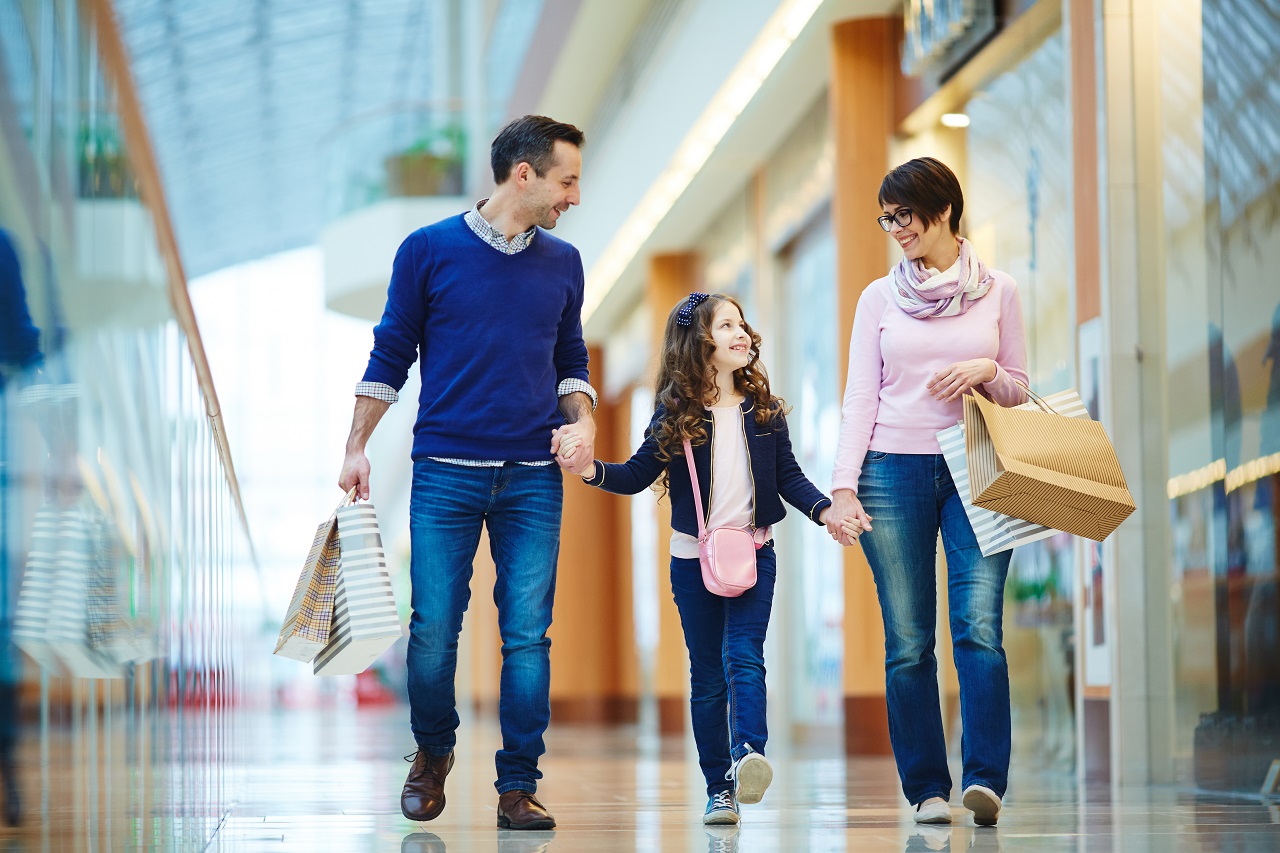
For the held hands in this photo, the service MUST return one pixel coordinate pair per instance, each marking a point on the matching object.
(845, 519)
(574, 446)
(956, 380)
(850, 527)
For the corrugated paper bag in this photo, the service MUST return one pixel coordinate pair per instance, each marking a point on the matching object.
(996, 532)
(1044, 468)
(365, 619)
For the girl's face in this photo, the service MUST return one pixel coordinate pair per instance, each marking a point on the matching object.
(919, 239)
(733, 344)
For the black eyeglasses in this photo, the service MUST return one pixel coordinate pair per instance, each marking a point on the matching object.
(902, 216)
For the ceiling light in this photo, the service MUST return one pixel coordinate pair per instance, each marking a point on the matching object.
(955, 120)
(695, 149)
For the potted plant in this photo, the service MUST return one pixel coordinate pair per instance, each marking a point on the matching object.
(104, 168)
(433, 165)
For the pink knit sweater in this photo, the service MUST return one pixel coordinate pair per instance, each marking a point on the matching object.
(892, 357)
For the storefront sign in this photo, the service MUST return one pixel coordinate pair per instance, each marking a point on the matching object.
(938, 34)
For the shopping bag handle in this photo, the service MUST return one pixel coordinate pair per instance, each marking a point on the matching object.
(1038, 400)
(349, 499)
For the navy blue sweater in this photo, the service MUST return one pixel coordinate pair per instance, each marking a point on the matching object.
(775, 474)
(495, 334)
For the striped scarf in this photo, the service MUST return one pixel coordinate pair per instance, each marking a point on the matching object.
(923, 292)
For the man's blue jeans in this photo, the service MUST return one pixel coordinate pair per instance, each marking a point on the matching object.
(725, 638)
(909, 498)
(521, 506)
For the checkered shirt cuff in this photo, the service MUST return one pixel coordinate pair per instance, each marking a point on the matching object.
(377, 391)
(570, 386)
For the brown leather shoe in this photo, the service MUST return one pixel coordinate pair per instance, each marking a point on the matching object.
(521, 810)
(423, 794)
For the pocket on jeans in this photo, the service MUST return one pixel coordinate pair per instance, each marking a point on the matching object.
(875, 456)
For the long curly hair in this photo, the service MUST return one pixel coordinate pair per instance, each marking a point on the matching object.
(687, 378)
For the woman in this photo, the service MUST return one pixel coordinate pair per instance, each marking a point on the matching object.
(938, 326)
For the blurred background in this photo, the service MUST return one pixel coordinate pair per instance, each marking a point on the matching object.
(199, 204)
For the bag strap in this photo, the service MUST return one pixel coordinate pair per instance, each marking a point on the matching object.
(348, 500)
(697, 491)
(1038, 400)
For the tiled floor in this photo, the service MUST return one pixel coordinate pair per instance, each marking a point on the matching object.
(329, 780)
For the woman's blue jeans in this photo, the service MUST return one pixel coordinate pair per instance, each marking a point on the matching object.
(521, 506)
(725, 638)
(910, 498)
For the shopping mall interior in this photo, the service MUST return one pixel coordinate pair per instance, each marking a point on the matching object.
(200, 206)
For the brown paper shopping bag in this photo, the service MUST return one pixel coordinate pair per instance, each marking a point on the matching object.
(308, 622)
(1042, 467)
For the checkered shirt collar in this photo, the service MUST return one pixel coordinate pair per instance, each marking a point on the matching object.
(493, 236)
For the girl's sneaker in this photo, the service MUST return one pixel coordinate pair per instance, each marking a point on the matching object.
(751, 775)
(984, 803)
(721, 810)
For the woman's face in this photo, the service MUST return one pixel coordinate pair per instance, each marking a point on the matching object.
(733, 344)
(918, 238)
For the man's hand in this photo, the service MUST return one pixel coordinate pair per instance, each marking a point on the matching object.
(355, 474)
(574, 445)
(845, 519)
(355, 467)
(963, 376)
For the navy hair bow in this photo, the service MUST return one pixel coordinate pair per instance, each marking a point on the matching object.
(686, 313)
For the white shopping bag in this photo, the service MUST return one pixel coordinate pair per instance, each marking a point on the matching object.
(365, 620)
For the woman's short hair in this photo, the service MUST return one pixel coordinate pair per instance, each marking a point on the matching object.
(926, 186)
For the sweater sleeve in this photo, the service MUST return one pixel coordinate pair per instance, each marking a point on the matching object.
(793, 486)
(1011, 359)
(637, 473)
(571, 351)
(398, 335)
(861, 391)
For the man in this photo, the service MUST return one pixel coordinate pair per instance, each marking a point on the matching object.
(490, 304)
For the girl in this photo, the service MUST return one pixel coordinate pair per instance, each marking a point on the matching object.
(713, 391)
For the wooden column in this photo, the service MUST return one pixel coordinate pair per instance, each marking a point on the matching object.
(671, 278)
(864, 75)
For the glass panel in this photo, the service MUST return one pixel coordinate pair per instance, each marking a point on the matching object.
(1221, 147)
(118, 543)
(1018, 215)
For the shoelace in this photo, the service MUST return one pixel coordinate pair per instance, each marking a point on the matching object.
(722, 800)
(732, 773)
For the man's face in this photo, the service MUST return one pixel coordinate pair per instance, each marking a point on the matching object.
(549, 196)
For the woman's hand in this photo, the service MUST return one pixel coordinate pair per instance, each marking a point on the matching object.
(961, 377)
(845, 519)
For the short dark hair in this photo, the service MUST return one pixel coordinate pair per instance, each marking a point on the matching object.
(926, 186)
(532, 140)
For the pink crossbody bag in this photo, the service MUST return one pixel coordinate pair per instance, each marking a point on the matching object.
(727, 554)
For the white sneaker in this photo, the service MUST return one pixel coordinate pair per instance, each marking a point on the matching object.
(933, 811)
(751, 775)
(984, 803)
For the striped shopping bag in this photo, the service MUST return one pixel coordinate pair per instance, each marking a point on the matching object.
(365, 620)
(997, 532)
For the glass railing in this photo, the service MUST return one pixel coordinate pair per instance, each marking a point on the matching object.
(130, 607)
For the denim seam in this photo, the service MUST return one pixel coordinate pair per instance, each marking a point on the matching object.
(733, 687)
